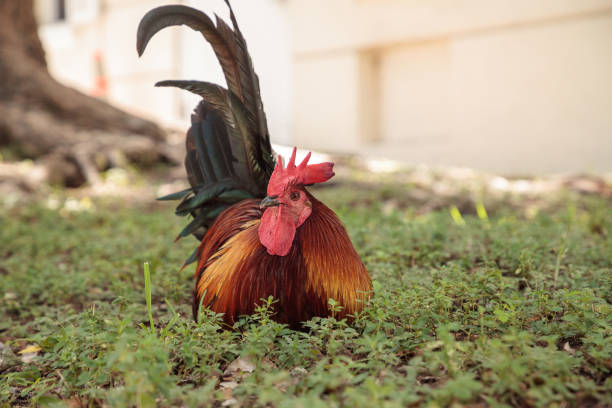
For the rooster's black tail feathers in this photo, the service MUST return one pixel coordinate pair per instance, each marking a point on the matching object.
(229, 157)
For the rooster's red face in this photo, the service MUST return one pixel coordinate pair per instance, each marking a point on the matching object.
(287, 205)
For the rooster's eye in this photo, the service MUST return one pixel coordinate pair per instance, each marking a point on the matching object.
(295, 196)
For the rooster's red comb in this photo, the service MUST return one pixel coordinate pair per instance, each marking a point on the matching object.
(302, 174)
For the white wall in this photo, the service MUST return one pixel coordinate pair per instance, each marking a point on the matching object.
(512, 87)
(326, 104)
(524, 100)
(517, 87)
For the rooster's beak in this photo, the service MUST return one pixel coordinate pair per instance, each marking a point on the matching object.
(269, 202)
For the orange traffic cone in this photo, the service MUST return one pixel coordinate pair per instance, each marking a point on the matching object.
(100, 88)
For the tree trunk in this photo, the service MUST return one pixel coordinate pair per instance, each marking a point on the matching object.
(77, 135)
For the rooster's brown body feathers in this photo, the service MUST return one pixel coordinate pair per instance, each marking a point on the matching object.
(235, 272)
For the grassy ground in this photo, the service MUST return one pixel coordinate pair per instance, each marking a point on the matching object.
(504, 310)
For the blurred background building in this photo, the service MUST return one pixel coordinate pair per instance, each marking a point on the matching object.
(515, 87)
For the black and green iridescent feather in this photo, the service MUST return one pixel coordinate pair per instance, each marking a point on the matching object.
(229, 157)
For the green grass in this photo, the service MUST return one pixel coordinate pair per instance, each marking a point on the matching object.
(497, 310)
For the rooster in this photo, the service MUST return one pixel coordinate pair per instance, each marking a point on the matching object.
(262, 232)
